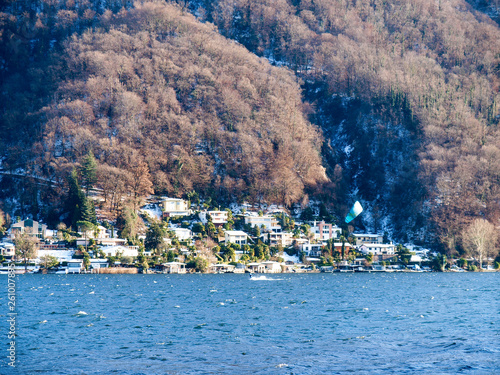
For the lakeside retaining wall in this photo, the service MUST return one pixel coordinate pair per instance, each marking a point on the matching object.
(116, 270)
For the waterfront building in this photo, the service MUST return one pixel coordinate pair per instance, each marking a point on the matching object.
(97, 264)
(75, 266)
(256, 267)
(271, 267)
(7, 249)
(222, 268)
(173, 267)
(312, 250)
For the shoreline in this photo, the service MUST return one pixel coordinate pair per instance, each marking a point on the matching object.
(132, 271)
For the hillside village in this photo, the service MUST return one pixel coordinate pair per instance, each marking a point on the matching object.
(181, 237)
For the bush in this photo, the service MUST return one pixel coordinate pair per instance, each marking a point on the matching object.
(438, 263)
(461, 262)
(170, 256)
(198, 263)
(292, 251)
(126, 260)
(198, 228)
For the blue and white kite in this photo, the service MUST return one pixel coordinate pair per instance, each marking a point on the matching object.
(355, 211)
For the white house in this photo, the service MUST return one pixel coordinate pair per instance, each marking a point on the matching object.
(222, 268)
(280, 238)
(128, 251)
(416, 259)
(378, 249)
(218, 217)
(363, 238)
(256, 267)
(51, 233)
(7, 249)
(312, 250)
(111, 241)
(272, 267)
(235, 236)
(98, 263)
(175, 207)
(75, 266)
(174, 267)
(182, 234)
(269, 222)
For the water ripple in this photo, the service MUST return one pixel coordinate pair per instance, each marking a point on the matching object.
(226, 324)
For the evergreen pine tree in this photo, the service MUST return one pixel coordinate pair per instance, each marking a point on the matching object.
(154, 237)
(75, 199)
(88, 211)
(89, 171)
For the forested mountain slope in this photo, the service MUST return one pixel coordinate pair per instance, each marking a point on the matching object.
(153, 91)
(406, 93)
(490, 7)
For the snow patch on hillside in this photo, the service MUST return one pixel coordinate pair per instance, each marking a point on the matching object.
(152, 210)
(290, 258)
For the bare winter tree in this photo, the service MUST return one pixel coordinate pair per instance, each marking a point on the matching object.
(26, 247)
(480, 239)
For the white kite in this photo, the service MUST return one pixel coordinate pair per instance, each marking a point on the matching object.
(355, 211)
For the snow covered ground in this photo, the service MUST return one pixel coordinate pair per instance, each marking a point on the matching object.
(152, 210)
(291, 258)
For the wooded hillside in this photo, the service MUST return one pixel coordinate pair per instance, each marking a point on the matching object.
(153, 89)
(406, 93)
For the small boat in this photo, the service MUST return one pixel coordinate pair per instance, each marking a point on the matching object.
(328, 269)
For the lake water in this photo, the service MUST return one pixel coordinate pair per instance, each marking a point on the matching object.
(404, 323)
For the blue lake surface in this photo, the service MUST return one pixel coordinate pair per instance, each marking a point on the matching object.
(387, 323)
